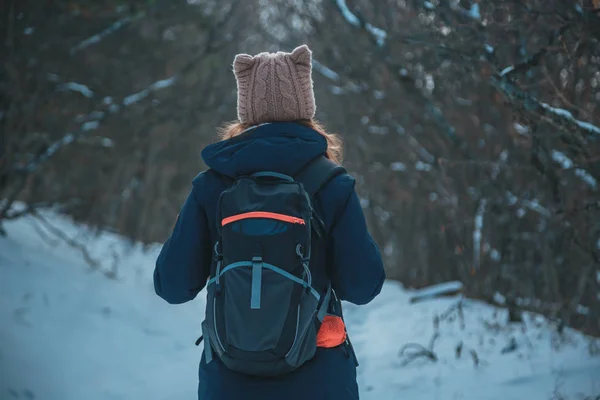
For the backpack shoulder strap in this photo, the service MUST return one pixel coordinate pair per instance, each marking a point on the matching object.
(225, 178)
(317, 173)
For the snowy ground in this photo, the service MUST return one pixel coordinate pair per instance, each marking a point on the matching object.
(70, 333)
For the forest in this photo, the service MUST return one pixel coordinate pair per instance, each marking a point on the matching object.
(472, 127)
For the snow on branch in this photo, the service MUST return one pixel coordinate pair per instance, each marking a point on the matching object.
(569, 116)
(377, 33)
(559, 117)
(477, 233)
(136, 97)
(534, 205)
(442, 289)
(474, 12)
(76, 87)
(50, 151)
(325, 71)
(89, 123)
(566, 163)
(507, 70)
(348, 15)
(98, 37)
(586, 177)
(379, 37)
(532, 61)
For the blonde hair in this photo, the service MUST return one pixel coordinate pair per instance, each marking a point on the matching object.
(334, 142)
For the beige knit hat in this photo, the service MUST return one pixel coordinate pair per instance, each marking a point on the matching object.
(274, 86)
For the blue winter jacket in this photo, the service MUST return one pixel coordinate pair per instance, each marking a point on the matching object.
(352, 260)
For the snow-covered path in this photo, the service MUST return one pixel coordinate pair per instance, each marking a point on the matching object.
(69, 333)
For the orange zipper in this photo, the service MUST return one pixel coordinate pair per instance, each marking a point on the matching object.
(263, 214)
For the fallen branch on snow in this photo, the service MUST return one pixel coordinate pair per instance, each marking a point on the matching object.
(439, 290)
(414, 351)
(94, 264)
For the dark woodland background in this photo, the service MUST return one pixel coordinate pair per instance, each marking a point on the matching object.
(472, 126)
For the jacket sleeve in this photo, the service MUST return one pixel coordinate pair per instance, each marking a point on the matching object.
(357, 267)
(183, 264)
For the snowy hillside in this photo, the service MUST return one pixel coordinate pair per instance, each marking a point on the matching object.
(68, 332)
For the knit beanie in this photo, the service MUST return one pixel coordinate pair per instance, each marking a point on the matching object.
(274, 86)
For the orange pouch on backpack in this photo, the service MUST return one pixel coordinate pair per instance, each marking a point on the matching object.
(332, 332)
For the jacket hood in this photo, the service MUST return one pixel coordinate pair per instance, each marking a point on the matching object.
(283, 147)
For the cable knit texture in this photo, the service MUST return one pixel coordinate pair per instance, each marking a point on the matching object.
(275, 86)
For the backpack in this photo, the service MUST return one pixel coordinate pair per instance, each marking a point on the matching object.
(263, 311)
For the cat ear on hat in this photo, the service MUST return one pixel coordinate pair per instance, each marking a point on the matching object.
(302, 55)
(242, 70)
(243, 62)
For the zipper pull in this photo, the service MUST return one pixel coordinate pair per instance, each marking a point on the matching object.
(317, 224)
(351, 349)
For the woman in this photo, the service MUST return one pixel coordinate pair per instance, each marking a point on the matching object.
(275, 132)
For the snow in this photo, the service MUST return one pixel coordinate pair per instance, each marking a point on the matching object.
(588, 127)
(428, 5)
(162, 83)
(98, 37)
(348, 15)
(379, 34)
(29, 30)
(521, 129)
(534, 205)
(562, 159)
(107, 142)
(495, 255)
(96, 114)
(326, 72)
(568, 115)
(90, 125)
(489, 49)
(499, 298)
(567, 163)
(398, 166)
(336, 90)
(474, 11)
(421, 166)
(136, 97)
(586, 177)
(378, 94)
(477, 233)
(71, 333)
(378, 130)
(507, 70)
(50, 151)
(437, 290)
(77, 87)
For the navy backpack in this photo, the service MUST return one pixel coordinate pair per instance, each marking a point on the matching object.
(263, 311)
